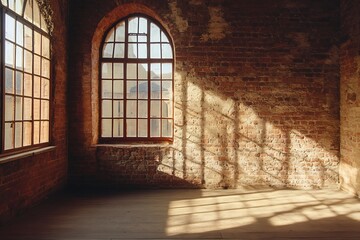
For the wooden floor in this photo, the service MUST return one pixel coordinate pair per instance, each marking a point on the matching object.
(192, 214)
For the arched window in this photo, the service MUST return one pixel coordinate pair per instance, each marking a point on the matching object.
(25, 74)
(136, 75)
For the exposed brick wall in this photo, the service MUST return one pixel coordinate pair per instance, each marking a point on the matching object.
(27, 181)
(256, 96)
(350, 96)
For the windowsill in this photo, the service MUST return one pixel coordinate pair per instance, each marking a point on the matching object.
(29, 153)
(133, 145)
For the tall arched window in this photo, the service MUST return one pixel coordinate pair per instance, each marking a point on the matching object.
(136, 75)
(25, 74)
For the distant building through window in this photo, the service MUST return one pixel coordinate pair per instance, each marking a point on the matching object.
(136, 75)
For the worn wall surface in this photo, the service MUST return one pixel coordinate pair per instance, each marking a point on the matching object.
(26, 181)
(350, 96)
(256, 96)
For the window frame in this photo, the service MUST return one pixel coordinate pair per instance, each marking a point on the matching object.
(6, 10)
(125, 60)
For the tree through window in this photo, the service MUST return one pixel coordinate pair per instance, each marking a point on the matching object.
(136, 75)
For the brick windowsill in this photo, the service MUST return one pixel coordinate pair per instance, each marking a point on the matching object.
(18, 156)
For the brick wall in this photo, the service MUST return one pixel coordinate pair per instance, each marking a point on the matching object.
(256, 96)
(26, 181)
(350, 101)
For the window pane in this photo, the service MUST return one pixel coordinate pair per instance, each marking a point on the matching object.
(9, 136)
(27, 85)
(166, 51)
(120, 32)
(155, 71)
(37, 87)
(110, 36)
(106, 128)
(45, 67)
(166, 89)
(106, 89)
(155, 51)
(142, 51)
(166, 72)
(36, 16)
(9, 54)
(45, 88)
(119, 89)
(118, 70)
(155, 90)
(131, 128)
(9, 108)
(119, 50)
(131, 108)
(28, 11)
(36, 136)
(27, 109)
(27, 134)
(18, 134)
(106, 70)
(154, 33)
(133, 25)
(166, 128)
(19, 58)
(4, 2)
(44, 137)
(118, 109)
(142, 25)
(118, 130)
(132, 50)
(155, 109)
(108, 50)
(11, 4)
(164, 37)
(132, 38)
(143, 109)
(143, 71)
(9, 80)
(45, 47)
(37, 65)
(131, 89)
(106, 108)
(36, 109)
(131, 71)
(19, 6)
(155, 128)
(166, 109)
(43, 24)
(28, 38)
(45, 109)
(142, 127)
(28, 62)
(37, 43)
(143, 90)
(19, 83)
(18, 108)
(9, 28)
(19, 33)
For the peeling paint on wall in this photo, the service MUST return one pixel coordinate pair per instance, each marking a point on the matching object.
(176, 15)
(217, 25)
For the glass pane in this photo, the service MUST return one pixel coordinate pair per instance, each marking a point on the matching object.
(166, 51)
(166, 71)
(9, 54)
(143, 109)
(28, 62)
(106, 89)
(164, 37)
(20, 33)
(106, 70)
(143, 90)
(36, 109)
(45, 67)
(118, 70)
(155, 128)
(131, 71)
(45, 88)
(131, 89)
(110, 36)
(9, 80)
(133, 25)
(155, 71)
(28, 38)
(43, 24)
(45, 47)
(19, 6)
(27, 85)
(108, 50)
(44, 137)
(18, 134)
(11, 4)
(37, 43)
(142, 51)
(27, 134)
(155, 90)
(131, 109)
(37, 87)
(28, 11)
(166, 89)
(142, 25)
(132, 38)
(9, 108)
(27, 109)
(142, 38)
(19, 83)
(118, 130)
(37, 65)
(132, 50)
(45, 109)
(118, 109)
(131, 127)
(9, 28)
(154, 33)
(106, 108)
(9, 136)
(120, 32)
(36, 136)
(155, 109)
(118, 89)
(106, 128)
(4, 2)
(36, 16)
(142, 127)
(19, 58)
(143, 71)
(155, 51)
(166, 128)
(18, 108)
(166, 109)
(119, 50)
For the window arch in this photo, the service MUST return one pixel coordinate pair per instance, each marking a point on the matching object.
(136, 81)
(25, 73)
